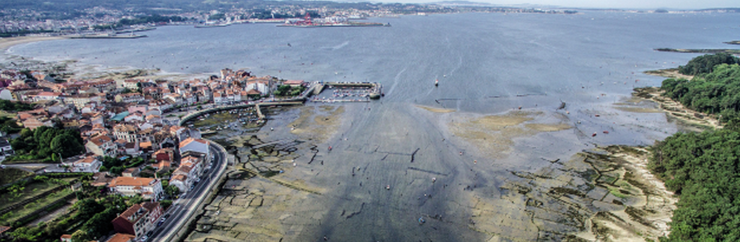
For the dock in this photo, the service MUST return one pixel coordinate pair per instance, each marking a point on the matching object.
(314, 89)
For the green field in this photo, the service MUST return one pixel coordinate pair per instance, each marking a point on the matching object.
(10, 175)
(11, 216)
(32, 189)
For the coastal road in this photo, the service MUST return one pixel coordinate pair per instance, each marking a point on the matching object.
(182, 208)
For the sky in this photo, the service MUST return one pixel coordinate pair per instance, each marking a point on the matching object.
(630, 4)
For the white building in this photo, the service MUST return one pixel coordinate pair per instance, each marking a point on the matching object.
(195, 145)
(148, 188)
(87, 164)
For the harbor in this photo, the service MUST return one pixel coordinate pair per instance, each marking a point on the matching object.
(334, 21)
(108, 36)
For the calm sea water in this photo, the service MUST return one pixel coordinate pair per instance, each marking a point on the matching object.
(475, 56)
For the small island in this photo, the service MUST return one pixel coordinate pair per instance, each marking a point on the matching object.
(710, 51)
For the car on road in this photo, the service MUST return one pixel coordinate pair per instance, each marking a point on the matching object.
(166, 216)
(143, 239)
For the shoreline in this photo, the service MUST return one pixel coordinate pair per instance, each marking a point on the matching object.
(6, 43)
(697, 121)
(88, 71)
(668, 73)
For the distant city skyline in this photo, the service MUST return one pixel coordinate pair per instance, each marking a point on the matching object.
(628, 4)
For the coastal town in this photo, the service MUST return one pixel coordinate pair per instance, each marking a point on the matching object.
(250, 121)
(98, 19)
(130, 144)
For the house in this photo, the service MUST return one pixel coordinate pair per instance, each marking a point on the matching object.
(127, 132)
(145, 146)
(131, 84)
(66, 238)
(195, 145)
(181, 182)
(163, 166)
(261, 84)
(119, 237)
(179, 132)
(148, 188)
(101, 145)
(87, 164)
(45, 96)
(131, 172)
(101, 179)
(189, 172)
(37, 121)
(218, 97)
(81, 100)
(5, 149)
(132, 148)
(164, 154)
(129, 97)
(138, 219)
(134, 117)
(293, 83)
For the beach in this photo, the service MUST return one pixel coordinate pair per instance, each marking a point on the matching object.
(6, 43)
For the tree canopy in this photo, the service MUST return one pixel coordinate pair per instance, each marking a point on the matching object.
(717, 92)
(43, 141)
(706, 63)
(704, 170)
(15, 106)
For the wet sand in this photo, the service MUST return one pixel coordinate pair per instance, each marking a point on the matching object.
(669, 73)
(497, 189)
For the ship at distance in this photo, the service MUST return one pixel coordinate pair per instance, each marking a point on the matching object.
(334, 21)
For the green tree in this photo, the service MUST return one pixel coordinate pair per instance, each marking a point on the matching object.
(706, 63)
(81, 236)
(117, 170)
(172, 191)
(100, 223)
(87, 208)
(67, 145)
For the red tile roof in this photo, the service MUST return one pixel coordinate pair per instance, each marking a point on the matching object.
(131, 181)
(119, 237)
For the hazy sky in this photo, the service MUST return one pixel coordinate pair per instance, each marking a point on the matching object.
(674, 4)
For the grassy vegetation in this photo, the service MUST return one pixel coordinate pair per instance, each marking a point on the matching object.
(32, 189)
(10, 175)
(10, 217)
(615, 191)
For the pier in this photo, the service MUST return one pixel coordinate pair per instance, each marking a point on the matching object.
(314, 89)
